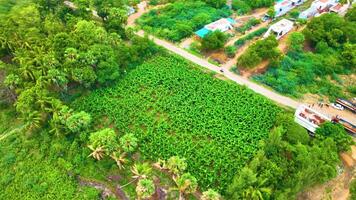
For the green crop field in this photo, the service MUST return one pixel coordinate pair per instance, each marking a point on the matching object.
(175, 109)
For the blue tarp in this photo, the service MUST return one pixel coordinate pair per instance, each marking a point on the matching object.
(232, 21)
(202, 32)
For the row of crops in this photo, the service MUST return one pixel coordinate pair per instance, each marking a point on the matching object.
(175, 109)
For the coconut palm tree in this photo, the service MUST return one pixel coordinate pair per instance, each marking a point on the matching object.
(145, 189)
(120, 159)
(141, 171)
(186, 184)
(210, 195)
(175, 165)
(97, 153)
(32, 120)
(257, 192)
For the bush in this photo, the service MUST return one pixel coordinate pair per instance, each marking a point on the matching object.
(240, 42)
(230, 51)
(213, 41)
(248, 25)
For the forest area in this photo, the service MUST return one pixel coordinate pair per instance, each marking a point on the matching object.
(90, 110)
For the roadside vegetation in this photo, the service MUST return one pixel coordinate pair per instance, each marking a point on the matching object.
(266, 49)
(246, 6)
(319, 71)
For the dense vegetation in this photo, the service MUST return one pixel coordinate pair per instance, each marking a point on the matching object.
(245, 6)
(213, 41)
(175, 110)
(80, 104)
(289, 162)
(266, 49)
(240, 42)
(300, 72)
(180, 19)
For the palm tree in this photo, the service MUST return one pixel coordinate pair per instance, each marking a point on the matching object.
(97, 153)
(145, 189)
(128, 142)
(141, 171)
(210, 195)
(119, 159)
(186, 184)
(175, 165)
(32, 120)
(257, 192)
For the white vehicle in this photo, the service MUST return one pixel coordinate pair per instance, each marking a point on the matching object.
(337, 106)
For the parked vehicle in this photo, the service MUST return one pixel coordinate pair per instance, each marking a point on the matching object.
(337, 106)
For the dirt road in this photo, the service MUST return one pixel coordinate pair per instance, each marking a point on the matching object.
(280, 99)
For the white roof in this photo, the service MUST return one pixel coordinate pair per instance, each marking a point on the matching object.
(218, 25)
(282, 25)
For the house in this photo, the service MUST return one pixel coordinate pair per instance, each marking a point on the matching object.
(279, 29)
(339, 9)
(283, 7)
(222, 25)
(316, 8)
(309, 118)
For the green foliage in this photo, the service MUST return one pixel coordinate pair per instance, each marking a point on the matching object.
(145, 188)
(248, 186)
(106, 139)
(216, 3)
(213, 41)
(307, 72)
(180, 19)
(241, 7)
(240, 42)
(330, 28)
(187, 183)
(296, 41)
(337, 133)
(293, 132)
(128, 142)
(175, 165)
(78, 121)
(261, 50)
(34, 168)
(230, 51)
(353, 190)
(248, 25)
(284, 166)
(210, 195)
(175, 110)
(245, 6)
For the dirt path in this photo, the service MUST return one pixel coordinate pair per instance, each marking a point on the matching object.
(140, 11)
(106, 190)
(233, 40)
(286, 101)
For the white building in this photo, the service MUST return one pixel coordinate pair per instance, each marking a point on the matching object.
(339, 9)
(222, 25)
(279, 29)
(316, 8)
(281, 8)
(309, 118)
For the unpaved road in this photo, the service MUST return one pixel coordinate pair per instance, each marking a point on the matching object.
(280, 99)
